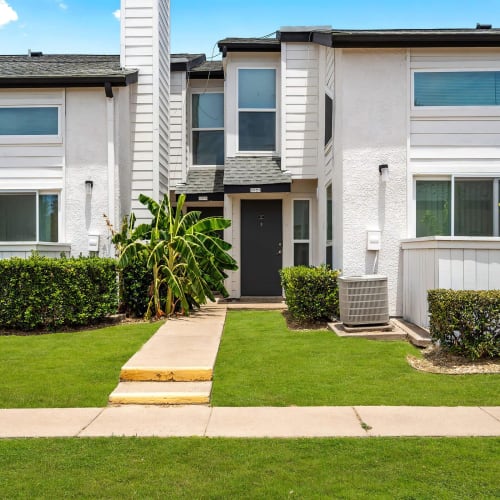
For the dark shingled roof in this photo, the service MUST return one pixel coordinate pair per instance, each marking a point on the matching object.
(202, 180)
(63, 69)
(254, 170)
(185, 62)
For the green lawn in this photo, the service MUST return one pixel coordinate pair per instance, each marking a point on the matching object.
(63, 370)
(250, 468)
(261, 362)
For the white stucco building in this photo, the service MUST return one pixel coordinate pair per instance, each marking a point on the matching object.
(81, 136)
(314, 143)
(317, 139)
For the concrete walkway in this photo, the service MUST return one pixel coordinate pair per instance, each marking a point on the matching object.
(175, 367)
(252, 422)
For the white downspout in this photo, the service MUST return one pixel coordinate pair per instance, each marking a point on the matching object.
(110, 120)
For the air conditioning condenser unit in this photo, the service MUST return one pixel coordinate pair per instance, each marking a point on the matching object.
(363, 300)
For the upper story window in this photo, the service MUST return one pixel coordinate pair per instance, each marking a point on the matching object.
(457, 88)
(29, 216)
(328, 119)
(257, 109)
(29, 121)
(473, 210)
(207, 124)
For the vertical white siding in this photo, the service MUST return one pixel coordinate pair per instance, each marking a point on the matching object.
(300, 107)
(145, 46)
(440, 262)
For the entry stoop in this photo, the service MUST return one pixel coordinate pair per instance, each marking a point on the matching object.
(161, 393)
(175, 366)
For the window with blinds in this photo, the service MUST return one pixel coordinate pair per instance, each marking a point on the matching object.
(457, 88)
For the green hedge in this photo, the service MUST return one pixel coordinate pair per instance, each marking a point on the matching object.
(135, 289)
(466, 322)
(48, 294)
(311, 292)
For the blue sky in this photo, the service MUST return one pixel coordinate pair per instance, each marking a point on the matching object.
(90, 26)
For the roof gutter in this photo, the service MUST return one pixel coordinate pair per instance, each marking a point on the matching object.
(67, 81)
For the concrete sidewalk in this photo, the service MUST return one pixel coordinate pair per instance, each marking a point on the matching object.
(251, 422)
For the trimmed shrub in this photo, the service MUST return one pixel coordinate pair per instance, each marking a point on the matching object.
(466, 322)
(311, 292)
(135, 289)
(48, 294)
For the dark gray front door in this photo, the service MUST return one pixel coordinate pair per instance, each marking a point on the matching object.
(261, 247)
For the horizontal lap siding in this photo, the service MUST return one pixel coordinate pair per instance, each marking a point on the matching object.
(178, 117)
(146, 46)
(455, 133)
(164, 93)
(301, 104)
(32, 165)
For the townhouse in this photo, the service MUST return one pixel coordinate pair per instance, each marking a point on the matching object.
(371, 151)
(376, 152)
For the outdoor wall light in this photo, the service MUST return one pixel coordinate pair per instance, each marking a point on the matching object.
(384, 172)
(88, 187)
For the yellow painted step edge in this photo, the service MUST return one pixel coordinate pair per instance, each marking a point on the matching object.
(159, 399)
(138, 374)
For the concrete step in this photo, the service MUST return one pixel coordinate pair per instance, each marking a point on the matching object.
(161, 393)
(131, 373)
(416, 335)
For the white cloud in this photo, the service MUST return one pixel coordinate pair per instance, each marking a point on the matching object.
(116, 13)
(7, 13)
(63, 6)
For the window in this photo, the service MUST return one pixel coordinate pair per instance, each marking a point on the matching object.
(207, 123)
(257, 109)
(29, 217)
(29, 121)
(328, 118)
(473, 210)
(457, 88)
(329, 226)
(301, 233)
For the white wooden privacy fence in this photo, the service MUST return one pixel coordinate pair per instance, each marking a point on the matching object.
(459, 263)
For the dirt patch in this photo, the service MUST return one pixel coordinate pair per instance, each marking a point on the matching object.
(294, 324)
(436, 360)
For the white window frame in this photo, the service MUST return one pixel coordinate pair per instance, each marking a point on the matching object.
(308, 241)
(210, 129)
(34, 139)
(488, 110)
(253, 110)
(37, 215)
(495, 178)
(328, 243)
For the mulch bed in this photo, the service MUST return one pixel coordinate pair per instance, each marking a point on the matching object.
(294, 324)
(436, 360)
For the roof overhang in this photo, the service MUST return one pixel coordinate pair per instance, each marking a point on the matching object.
(186, 63)
(473, 38)
(67, 81)
(284, 187)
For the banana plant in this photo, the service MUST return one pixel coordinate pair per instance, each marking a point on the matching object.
(187, 257)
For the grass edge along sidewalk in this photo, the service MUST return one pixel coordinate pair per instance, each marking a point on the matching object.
(448, 468)
(263, 363)
(65, 370)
